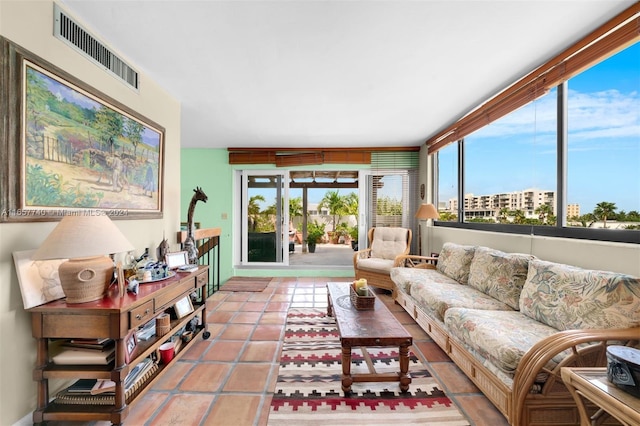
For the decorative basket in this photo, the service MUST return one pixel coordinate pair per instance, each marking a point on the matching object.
(361, 303)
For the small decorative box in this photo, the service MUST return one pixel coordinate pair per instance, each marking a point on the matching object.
(361, 303)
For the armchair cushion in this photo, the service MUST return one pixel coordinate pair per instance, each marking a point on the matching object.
(375, 264)
(389, 242)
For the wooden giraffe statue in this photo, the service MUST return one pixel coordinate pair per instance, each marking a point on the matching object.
(190, 243)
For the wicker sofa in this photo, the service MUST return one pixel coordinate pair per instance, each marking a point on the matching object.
(511, 321)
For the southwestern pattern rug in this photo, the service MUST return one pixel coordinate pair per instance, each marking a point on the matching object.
(308, 391)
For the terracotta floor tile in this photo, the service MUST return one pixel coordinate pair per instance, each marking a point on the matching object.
(478, 409)
(224, 350)
(267, 332)
(260, 297)
(264, 413)
(254, 306)
(145, 408)
(273, 318)
(237, 332)
(280, 298)
(432, 352)
(234, 410)
(238, 296)
(248, 378)
(199, 347)
(174, 375)
(206, 377)
(453, 379)
(277, 306)
(417, 332)
(246, 317)
(260, 351)
(220, 316)
(184, 409)
(230, 306)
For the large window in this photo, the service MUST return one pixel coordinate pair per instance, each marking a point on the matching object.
(510, 173)
(510, 167)
(603, 173)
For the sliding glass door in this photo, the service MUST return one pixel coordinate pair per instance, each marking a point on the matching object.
(265, 214)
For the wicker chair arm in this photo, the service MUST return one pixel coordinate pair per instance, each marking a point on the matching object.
(415, 261)
(360, 254)
(534, 361)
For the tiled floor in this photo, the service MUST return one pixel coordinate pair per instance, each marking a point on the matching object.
(229, 378)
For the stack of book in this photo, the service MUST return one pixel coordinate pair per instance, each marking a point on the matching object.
(102, 392)
(86, 352)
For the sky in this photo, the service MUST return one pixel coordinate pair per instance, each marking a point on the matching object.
(604, 142)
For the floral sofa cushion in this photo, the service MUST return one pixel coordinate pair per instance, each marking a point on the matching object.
(405, 278)
(502, 337)
(498, 274)
(567, 297)
(437, 299)
(455, 260)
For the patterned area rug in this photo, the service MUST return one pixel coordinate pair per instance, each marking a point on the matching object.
(245, 284)
(308, 391)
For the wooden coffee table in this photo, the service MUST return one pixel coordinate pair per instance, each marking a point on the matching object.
(372, 328)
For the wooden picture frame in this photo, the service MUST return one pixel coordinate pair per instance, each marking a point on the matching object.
(183, 307)
(101, 153)
(130, 343)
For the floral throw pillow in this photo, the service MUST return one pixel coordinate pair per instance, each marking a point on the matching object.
(455, 260)
(568, 298)
(499, 275)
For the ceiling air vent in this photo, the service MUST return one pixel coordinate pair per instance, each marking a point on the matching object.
(65, 29)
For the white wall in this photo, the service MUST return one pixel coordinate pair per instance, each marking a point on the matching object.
(30, 25)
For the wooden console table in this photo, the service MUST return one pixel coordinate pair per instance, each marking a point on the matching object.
(111, 317)
(592, 384)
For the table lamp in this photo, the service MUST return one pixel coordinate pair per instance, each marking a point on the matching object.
(425, 212)
(85, 241)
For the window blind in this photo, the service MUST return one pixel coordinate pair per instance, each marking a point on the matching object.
(608, 39)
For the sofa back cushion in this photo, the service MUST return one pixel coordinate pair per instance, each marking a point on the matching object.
(455, 260)
(499, 275)
(389, 242)
(567, 297)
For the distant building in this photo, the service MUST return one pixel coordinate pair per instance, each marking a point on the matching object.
(573, 210)
(489, 206)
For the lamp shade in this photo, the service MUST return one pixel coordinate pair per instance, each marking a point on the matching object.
(84, 240)
(427, 211)
(83, 236)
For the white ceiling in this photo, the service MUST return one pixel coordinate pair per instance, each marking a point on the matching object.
(334, 73)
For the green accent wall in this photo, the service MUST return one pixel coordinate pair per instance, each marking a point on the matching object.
(209, 169)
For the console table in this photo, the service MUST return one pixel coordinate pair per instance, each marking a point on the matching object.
(592, 384)
(111, 317)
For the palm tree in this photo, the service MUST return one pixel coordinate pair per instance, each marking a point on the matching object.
(254, 211)
(604, 210)
(335, 203)
(544, 211)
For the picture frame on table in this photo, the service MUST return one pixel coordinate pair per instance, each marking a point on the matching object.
(183, 307)
(176, 259)
(130, 343)
(108, 159)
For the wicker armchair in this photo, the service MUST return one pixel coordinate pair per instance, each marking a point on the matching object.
(375, 263)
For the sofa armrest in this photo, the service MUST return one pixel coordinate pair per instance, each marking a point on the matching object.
(415, 261)
(588, 349)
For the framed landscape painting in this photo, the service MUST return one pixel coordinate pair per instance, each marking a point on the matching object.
(74, 150)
